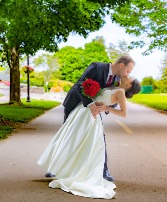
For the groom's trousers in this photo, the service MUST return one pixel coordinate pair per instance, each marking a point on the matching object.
(66, 114)
(105, 162)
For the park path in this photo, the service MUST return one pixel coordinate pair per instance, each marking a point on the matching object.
(137, 158)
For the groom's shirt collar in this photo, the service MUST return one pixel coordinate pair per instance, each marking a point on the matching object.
(110, 71)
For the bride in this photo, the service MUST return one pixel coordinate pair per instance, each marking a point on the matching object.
(80, 143)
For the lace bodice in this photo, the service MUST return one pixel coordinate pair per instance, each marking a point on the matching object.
(105, 97)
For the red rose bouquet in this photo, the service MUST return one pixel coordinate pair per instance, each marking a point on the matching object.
(90, 88)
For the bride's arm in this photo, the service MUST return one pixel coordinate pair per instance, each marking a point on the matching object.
(120, 96)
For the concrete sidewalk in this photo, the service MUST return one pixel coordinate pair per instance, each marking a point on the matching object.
(21, 179)
(59, 96)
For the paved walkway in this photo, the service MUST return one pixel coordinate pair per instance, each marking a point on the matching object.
(46, 96)
(20, 176)
(136, 156)
(21, 179)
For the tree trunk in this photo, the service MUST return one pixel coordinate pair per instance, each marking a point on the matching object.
(14, 78)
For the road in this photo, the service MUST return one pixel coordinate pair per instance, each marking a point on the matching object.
(137, 158)
(137, 149)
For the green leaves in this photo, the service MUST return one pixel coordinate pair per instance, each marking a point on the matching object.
(34, 24)
(145, 19)
(73, 61)
(30, 25)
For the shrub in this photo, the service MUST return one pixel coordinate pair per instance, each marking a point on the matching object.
(60, 85)
(56, 89)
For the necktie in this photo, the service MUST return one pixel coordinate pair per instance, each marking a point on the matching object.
(109, 82)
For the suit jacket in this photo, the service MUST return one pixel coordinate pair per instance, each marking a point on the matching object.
(97, 71)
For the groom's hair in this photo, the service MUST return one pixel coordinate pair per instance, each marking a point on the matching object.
(134, 89)
(125, 59)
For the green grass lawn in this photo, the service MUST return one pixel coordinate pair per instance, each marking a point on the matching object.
(12, 116)
(156, 101)
(1, 95)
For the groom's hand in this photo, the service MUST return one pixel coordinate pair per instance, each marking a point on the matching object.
(94, 109)
(102, 107)
(98, 103)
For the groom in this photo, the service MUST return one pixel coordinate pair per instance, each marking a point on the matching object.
(106, 74)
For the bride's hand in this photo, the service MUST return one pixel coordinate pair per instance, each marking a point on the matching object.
(94, 109)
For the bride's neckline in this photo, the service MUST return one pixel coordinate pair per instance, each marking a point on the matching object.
(114, 88)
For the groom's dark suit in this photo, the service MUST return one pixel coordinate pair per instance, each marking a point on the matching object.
(97, 71)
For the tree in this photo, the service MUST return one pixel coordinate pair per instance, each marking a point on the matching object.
(48, 63)
(73, 61)
(95, 51)
(146, 81)
(27, 26)
(100, 39)
(115, 52)
(123, 46)
(164, 76)
(162, 82)
(164, 63)
(146, 19)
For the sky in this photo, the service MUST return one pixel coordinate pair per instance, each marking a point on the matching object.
(113, 33)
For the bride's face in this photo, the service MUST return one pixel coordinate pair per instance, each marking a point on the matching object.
(126, 82)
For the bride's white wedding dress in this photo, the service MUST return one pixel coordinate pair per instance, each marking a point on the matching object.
(76, 154)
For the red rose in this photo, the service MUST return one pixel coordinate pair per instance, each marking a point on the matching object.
(90, 88)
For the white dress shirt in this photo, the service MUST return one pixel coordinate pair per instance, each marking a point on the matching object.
(110, 72)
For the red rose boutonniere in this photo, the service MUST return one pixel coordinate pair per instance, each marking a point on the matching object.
(90, 88)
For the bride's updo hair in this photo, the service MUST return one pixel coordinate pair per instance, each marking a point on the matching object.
(134, 89)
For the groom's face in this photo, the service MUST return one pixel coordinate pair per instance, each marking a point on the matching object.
(125, 70)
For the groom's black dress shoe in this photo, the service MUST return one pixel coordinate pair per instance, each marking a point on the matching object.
(49, 175)
(107, 176)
